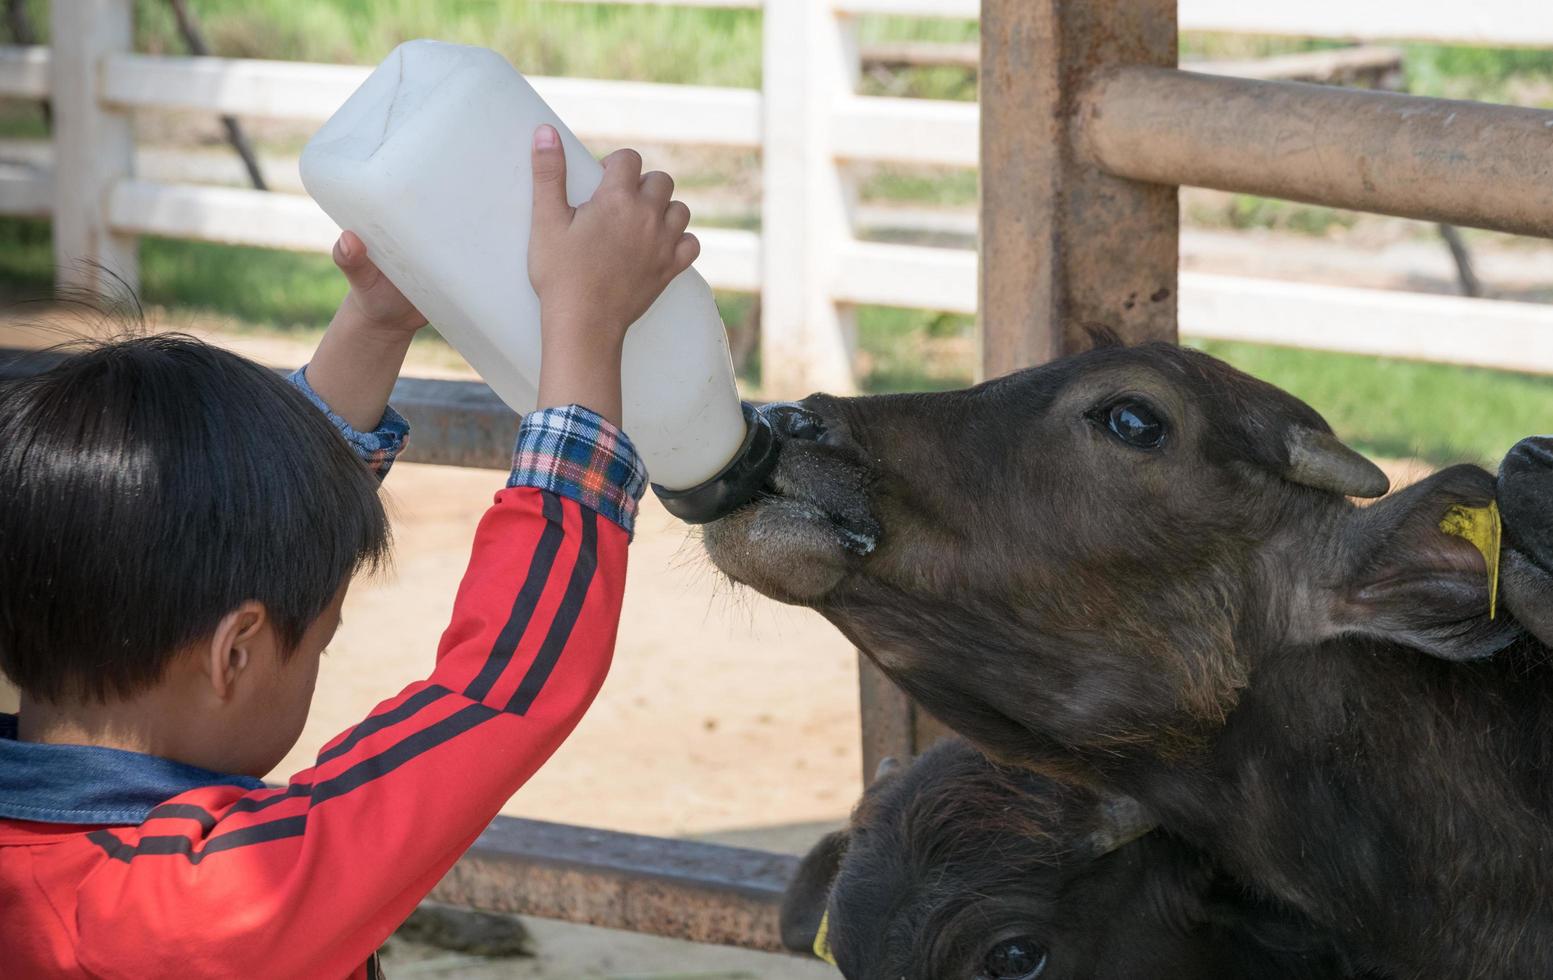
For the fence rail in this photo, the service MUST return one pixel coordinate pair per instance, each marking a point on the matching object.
(1510, 23)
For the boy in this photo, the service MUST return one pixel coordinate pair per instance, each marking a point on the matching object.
(178, 531)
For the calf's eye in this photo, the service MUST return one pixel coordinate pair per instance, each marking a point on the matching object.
(1020, 958)
(1136, 424)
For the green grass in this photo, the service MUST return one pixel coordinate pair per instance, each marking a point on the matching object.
(1246, 211)
(939, 186)
(1386, 407)
(1397, 408)
(915, 350)
(1482, 74)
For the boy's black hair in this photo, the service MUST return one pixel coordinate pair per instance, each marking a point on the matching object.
(148, 487)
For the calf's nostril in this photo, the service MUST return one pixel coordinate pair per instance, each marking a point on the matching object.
(792, 421)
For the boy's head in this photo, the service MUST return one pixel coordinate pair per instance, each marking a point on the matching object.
(178, 524)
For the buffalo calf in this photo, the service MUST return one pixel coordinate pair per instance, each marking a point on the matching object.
(1141, 571)
(960, 869)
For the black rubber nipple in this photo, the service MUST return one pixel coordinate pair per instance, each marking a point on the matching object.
(737, 483)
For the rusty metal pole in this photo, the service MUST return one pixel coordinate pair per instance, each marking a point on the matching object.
(1463, 163)
(1063, 244)
(893, 725)
(704, 893)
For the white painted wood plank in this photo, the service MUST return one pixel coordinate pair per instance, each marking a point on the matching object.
(730, 258)
(727, 4)
(291, 90)
(25, 195)
(1489, 22)
(1412, 326)
(227, 215)
(923, 131)
(913, 276)
(94, 146)
(966, 9)
(237, 86)
(24, 72)
(699, 114)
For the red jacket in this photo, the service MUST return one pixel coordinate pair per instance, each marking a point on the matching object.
(224, 879)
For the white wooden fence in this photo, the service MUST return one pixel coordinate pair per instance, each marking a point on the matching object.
(808, 121)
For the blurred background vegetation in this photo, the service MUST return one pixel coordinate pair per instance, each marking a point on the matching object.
(1387, 407)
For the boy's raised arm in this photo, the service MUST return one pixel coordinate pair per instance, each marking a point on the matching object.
(354, 369)
(359, 358)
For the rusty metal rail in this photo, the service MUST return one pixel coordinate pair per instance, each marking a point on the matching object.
(1465, 163)
(704, 893)
(457, 423)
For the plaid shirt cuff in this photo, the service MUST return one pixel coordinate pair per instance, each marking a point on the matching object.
(378, 448)
(577, 453)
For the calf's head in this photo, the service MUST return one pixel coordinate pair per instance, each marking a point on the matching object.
(1090, 553)
(957, 869)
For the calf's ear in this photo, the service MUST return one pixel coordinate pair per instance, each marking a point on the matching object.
(1403, 577)
(808, 894)
(1319, 459)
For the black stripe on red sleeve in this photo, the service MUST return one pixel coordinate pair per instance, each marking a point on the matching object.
(175, 845)
(376, 723)
(565, 618)
(401, 752)
(526, 602)
(184, 811)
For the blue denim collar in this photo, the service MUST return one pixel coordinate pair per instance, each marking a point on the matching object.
(87, 784)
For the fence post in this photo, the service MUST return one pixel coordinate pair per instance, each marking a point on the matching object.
(811, 62)
(93, 147)
(1063, 245)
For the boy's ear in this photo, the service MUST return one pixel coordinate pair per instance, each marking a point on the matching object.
(1407, 580)
(232, 646)
(808, 895)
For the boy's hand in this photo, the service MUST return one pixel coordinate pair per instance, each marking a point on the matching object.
(359, 358)
(372, 298)
(597, 268)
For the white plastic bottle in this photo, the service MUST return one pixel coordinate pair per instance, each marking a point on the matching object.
(429, 162)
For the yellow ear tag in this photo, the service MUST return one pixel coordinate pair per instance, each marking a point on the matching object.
(1482, 527)
(822, 940)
